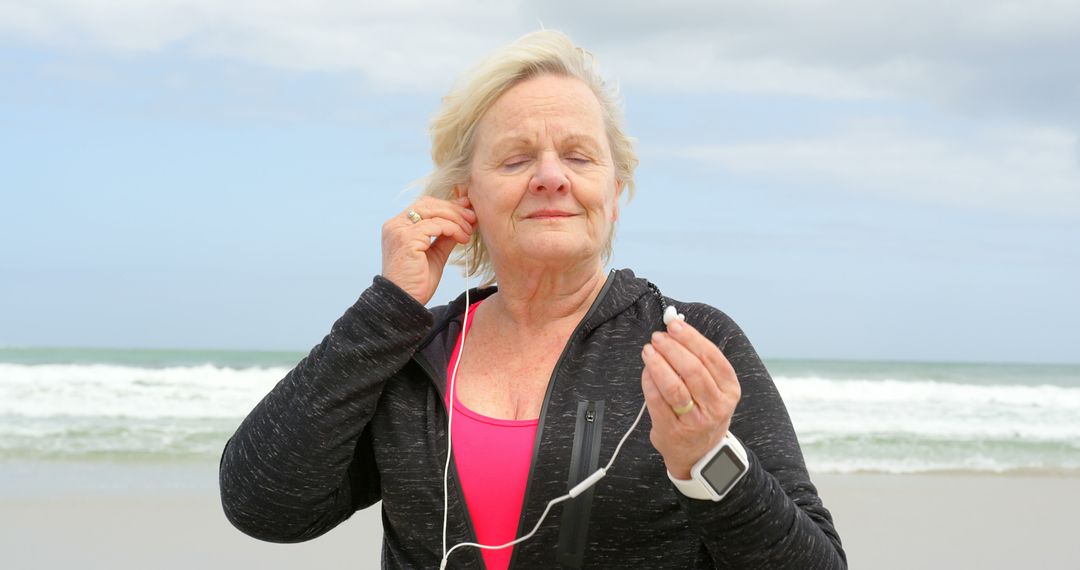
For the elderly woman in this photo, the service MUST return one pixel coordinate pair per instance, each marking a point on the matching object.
(539, 380)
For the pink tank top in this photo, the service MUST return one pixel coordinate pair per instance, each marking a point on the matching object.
(492, 457)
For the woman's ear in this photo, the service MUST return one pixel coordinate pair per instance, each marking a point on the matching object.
(460, 191)
(618, 194)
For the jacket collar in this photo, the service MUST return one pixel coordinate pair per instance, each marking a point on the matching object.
(621, 290)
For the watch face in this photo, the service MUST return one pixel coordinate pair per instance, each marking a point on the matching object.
(723, 470)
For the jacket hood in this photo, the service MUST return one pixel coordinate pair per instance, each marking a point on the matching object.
(621, 290)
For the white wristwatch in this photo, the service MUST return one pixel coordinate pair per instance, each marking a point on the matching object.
(715, 473)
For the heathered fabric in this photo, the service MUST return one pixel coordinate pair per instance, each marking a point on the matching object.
(362, 419)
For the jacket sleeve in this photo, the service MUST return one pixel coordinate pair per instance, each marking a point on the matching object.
(773, 517)
(301, 462)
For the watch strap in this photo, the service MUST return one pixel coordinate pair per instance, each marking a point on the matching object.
(691, 488)
(696, 488)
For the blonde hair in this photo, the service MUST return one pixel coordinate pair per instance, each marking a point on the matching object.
(453, 129)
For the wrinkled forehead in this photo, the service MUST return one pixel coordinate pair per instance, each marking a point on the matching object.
(541, 108)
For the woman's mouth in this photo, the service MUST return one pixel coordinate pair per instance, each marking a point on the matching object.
(548, 214)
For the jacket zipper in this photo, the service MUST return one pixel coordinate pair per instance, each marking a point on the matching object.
(574, 524)
(543, 413)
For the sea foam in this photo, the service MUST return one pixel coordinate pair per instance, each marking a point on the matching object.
(845, 423)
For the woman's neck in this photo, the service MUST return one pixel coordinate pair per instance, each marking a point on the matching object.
(538, 299)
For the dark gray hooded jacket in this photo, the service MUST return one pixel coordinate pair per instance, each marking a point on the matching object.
(362, 419)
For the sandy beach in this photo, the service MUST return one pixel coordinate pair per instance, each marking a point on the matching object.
(955, 521)
(91, 516)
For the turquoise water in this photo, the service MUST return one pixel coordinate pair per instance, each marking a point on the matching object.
(149, 358)
(980, 373)
(64, 404)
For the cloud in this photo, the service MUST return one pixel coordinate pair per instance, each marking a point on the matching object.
(985, 57)
(400, 45)
(974, 55)
(1032, 171)
(999, 65)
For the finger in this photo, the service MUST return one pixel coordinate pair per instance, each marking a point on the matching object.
(433, 204)
(441, 248)
(423, 232)
(457, 218)
(672, 389)
(659, 409)
(710, 355)
(429, 207)
(690, 369)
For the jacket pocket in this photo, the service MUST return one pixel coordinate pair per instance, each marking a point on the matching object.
(585, 459)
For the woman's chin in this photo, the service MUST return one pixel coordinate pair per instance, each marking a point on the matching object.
(559, 253)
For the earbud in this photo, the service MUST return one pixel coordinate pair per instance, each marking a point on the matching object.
(670, 314)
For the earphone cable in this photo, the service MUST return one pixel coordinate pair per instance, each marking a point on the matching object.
(450, 414)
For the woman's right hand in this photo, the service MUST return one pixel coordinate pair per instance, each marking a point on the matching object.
(414, 254)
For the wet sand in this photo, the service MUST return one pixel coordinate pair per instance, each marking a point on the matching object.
(95, 517)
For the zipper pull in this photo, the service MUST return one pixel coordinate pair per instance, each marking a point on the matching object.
(590, 412)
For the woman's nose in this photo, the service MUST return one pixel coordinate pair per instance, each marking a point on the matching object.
(550, 175)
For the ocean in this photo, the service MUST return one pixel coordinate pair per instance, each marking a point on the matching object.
(152, 406)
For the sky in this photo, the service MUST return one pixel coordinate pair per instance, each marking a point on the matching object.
(893, 180)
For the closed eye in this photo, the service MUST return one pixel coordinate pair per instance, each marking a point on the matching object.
(578, 158)
(515, 161)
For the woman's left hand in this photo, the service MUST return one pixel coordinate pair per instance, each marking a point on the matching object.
(683, 369)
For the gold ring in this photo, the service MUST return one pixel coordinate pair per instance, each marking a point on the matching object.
(413, 216)
(684, 409)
